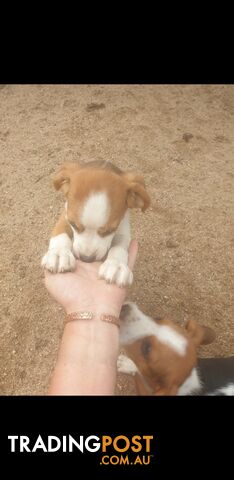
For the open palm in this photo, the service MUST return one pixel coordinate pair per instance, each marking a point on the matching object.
(83, 290)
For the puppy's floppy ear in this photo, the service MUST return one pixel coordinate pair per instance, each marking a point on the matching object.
(201, 335)
(63, 177)
(137, 197)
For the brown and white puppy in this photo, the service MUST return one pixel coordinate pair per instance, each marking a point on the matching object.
(95, 223)
(162, 356)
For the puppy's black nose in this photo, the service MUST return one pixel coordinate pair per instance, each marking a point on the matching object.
(87, 259)
(125, 310)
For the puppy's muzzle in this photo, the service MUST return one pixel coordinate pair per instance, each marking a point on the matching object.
(125, 311)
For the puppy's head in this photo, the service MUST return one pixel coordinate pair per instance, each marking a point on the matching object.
(97, 199)
(167, 358)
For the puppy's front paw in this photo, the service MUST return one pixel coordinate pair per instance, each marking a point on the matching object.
(126, 365)
(114, 272)
(59, 261)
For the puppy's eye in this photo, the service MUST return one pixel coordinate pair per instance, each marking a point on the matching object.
(146, 347)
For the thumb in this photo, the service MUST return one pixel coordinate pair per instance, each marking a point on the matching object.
(132, 251)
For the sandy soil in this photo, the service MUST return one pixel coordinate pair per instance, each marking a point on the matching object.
(181, 139)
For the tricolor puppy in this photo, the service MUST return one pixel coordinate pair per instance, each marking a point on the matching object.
(95, 223)
(163, 359)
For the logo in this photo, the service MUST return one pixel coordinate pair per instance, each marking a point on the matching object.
(110, 450)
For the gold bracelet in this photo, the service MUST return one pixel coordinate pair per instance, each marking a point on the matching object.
(110, 319)
(89, 315)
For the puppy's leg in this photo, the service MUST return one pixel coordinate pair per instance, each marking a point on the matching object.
(126, 365)
(115, 268)
(140, 387)
(59, 257)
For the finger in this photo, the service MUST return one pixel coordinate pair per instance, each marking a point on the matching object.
(47, 278)
(47, 273)
(133, 249)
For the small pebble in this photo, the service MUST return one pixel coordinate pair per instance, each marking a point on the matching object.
(171, 244)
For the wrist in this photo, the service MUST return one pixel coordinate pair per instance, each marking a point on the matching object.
(101, 333)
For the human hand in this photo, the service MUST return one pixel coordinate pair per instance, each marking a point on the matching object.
(83, 290)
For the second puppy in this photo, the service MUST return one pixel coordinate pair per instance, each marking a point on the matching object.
(162, 356)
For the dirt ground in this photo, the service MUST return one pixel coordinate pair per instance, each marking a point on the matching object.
(181, 137)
